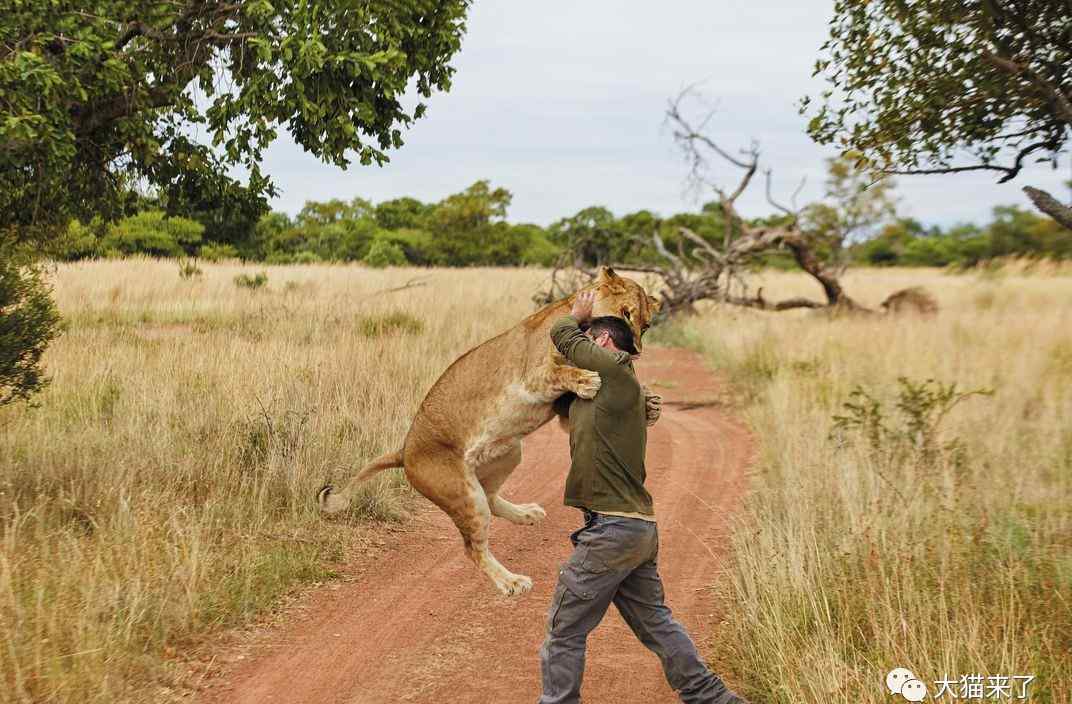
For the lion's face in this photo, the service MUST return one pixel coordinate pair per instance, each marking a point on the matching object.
(625, 299)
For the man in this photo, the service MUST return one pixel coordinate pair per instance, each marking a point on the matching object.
(614, 557)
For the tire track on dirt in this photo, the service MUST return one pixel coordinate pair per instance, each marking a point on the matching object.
(421, 624)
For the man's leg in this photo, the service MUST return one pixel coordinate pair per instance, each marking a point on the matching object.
(586, 585)
(641, 601)
(569, 622)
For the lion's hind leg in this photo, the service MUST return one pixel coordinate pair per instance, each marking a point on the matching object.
(493, 475)
(447, 482)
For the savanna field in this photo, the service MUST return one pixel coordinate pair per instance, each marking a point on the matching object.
(161, 490)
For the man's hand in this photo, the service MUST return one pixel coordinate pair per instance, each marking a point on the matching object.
(653, 406)
(582, 306)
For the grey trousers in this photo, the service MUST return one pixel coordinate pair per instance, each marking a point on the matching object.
(614, 560)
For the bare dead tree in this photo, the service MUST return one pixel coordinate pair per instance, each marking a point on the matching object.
(743, 240)
(568, 275)
(707, 271)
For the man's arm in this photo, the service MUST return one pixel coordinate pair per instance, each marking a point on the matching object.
(579, 350)
(575, 345)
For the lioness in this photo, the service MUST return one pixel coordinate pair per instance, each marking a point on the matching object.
(466, 437)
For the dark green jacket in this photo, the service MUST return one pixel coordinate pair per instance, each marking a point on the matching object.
(608, 434)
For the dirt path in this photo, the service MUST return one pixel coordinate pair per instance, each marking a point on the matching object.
(421, 624)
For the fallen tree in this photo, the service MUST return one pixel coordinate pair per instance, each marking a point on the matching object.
(718, 271)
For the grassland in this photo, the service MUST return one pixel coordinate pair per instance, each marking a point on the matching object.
(867, 548)
(162, 487)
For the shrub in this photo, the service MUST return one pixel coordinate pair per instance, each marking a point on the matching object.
(916, 430)
(80, 241)
(417, 245)
(251, 282)
(215, 252)
(153, 233)
(305, 257)
(188, 269)
(28, 321)
(387, 323)
(383, 254)
(539, 250)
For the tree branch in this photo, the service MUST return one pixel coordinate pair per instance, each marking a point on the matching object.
(770, 198)
(946, 170)
(1051, 206)
(1061, 103)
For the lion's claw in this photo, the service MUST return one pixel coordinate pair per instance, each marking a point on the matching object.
(588, 386)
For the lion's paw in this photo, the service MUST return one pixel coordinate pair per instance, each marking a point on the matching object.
(531, 513)
(513, 584)
(588, 385)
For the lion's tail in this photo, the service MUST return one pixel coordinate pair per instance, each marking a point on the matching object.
(331, 501)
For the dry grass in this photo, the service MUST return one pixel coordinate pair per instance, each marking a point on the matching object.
(852, 560)
(163, 486)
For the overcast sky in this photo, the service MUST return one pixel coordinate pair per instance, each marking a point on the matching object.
(562, 103)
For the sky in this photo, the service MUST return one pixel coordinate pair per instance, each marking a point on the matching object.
(563, 104)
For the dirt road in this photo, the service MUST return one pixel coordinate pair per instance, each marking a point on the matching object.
(423, 625)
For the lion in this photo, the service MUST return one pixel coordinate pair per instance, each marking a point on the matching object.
(911, 300)
(465, 439)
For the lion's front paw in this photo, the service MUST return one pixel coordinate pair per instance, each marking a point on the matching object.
(531, 513)
(653, 407)
(588, 385)
(511, 584)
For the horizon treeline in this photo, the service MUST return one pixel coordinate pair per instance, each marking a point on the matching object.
(470, 229)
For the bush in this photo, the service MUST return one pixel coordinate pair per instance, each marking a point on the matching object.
(28, 322)
(152, 233)
(387, 323)
(916, 430)
(383, 254)
(188, 269)
(305, 257)
(80, 241)
(539, 250)
(215, 252)
(251, 282)
(417, 245)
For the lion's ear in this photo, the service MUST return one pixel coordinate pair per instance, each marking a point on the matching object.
(654, 304)
(606, 273)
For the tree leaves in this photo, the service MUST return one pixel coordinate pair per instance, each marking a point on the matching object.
(915, 84)
(100, 95)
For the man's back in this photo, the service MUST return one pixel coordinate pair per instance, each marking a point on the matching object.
(608, 434)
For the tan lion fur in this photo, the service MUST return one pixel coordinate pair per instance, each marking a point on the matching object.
(466, 437)
(911, 300)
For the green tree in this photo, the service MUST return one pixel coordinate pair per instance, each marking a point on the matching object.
(856, 201)
(28, 321)
(333, 211)
(152, 233)
(1015, 231)
(401, 213)
(593, 235)
(470, 228)
(913, 86)
(384, 253)
(102, 95)
(92, 90)
(538, 250)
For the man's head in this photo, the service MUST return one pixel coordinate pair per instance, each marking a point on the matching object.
(626, 300)
(612, 333)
